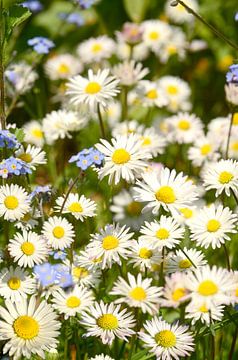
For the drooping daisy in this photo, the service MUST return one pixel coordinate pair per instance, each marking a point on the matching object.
(137, 293)
(203, 149)
(143, 255)
(130, 72)
(29, 328)
(112, 243)
(204, 312)
(178, 13)
(14, 202)
(180, 260)
(163, 233)
(28, 249)
(222, 176)
(79, 206)
(33, 156)
(175, 291)
(96, 49)
(108, 321)
(97, 89)
(58, 232)
(177, 91)
(167, 341)
(165, 188)
(62, 66)
(151, 94)
(16, 283)
(82, 273)
(73, 302)
(212, 225)
(34, 133)
(124, 159)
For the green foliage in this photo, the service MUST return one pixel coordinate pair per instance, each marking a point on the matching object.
(136, 9)
(14, 16)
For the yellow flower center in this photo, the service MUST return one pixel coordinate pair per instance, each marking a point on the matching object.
(172, 49)
(11, 202)
(152, 94)
(187, 213)
(63, 69)
(225, 177)
(205, 149)
(154, 35)
(180, 8)
(166, 195)
(14, 283)
(184, 125)
(26, 327)
(58, 232)
(184, 264)
(234, 146)
(73, 302)
(146, 141)
(203, 308)
(75, 207)
(207, 287)
(134, 208)
(26, 217)
(110, 242)
(37, 133)
(96, 48)
(93, 88)
(172, 89)
(79, 272)
(25, 157)
(165, 338)
(236, 293)
(138, 294)
(107, 322)
(235, 119)
(120, 156)
(213, 225)
(178, 294)
(27, 248)
(145, 253)
(162, 234)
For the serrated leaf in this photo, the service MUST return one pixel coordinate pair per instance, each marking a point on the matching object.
(19, 133)
(14, 17)
(136, 9)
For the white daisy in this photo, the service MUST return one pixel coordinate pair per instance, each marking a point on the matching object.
(79, 206)
(203, 149)
(178, 13)
(32, 155)
(130, 72)
(102, 357)
(205, 313)
(155, 33)
(28, 249)
(97, 89)
(14, 202)
(112, 113)
(127, 128)
(143, 255)
(212, 225)
(108, 321)
(16, 283)
(167, 341)
(96, 49)
(124, 159)
(29, 220)
(137, 293)
(180, 260)
(175, 291)
(58, 232)
(88, 260)
(62, 66)
(21, 76)
(34, 133)
(82, 273)
(151, 94)
(29, 328)
(176, 45)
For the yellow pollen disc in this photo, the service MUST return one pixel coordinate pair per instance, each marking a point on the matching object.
(203, 309)
(14, 283)
(225, 177)
(184, 264)
(110, 242)
(172, 89)
(236, 292)
(120, 156)
(213, 225)
(186, 212)
(184, 125)
(234, 146)
(63, 69)
(180, 8)
(154, 35)
(178, 294)
(162, 234)
(145, 253)
(152, 94)
(11, 202)
(96, 48)
(75, 207)
(205, 149)
(165, 338)
(172, 49)
(146, 141)
(37, 133)
(166, 195)
(138, 294)
(79, 272)
(235, 119)
(25, 157)
(26, 327)
(27, 248)
(58, 232)
(207, 288)
(107, 322)
(92, 88)
(26, 217)
(73, 302)
(134, 208)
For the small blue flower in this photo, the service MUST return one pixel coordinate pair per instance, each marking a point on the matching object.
(8, 140)
(63, 276)
(46, 274)
(232, 75)
(85, 158)
(42, 192)
(59, 255)
(86, 4)
(236, 16)
(73, 18)
(41, 44)
(13, 166)
(33, 5)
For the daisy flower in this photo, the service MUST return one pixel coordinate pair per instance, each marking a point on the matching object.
(205, 313)
(180, 262)
(96, 49)
(211, 226)
(155, 33)
(151, 94)
(222, 176)
(124, 159)
(112, 243)
(175, 291)
(186, 214)
(96, 90)
(127, 128)
(167, 341)
(165, 188)
(73, 302)
(87, 260)
(153, 142)
(178, 13)
(101, 357)
(79, 206)
(16, 283)
(58, 232)
(62, 66)
(14, 202)
(143, 255)
(29, 328)
(137, 293)
(28, 249)
(29, 220)
(130, 72)
(203, 149)
(34, 133)
(33, 156)
(108, 321)
(176, 45)
(163, 233)
(82, 273)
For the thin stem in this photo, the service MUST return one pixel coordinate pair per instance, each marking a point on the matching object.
(189, 259)
(227, 257)
(2, 85)
(69, 191)
(235, 197)
(233, 344)
(211, 27)
(161, 270)
(101, 122)
(229, 136)
(124, 103)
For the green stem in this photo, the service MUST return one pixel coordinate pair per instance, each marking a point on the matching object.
(229, 136)
(227, 257)
(161, 270)
(235, 197)
(187, 256)
(69, 191)
(233, 344)
(211, 27)
(2, 85)
(101, 122)
(124, 103)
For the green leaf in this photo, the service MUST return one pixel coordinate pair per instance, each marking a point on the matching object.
(142, 355)
(136, 9)
(14, 17)
(19, 133)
